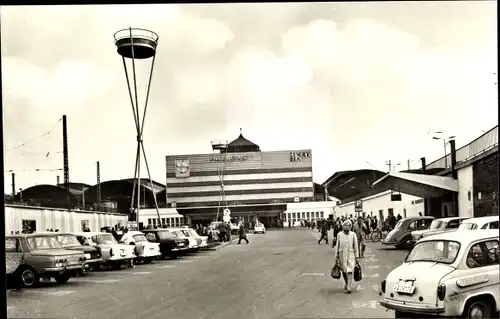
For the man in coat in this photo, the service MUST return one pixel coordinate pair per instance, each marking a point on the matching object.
(222, 232)
(324, 232)
(242, 234)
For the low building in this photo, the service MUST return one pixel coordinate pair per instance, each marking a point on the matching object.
(295, 212)
(39, 219)
(168, 217)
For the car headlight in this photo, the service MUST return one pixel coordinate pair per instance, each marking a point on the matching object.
(441, 291)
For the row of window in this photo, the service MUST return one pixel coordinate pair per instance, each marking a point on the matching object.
(168, 221)
(304, 215)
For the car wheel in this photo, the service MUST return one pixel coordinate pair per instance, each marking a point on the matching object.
(116, 266)
(62, 278)
(148, 260)
(403, 315)
(27, 277)
(477, 309)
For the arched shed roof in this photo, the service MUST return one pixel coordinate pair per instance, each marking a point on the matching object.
(118, 190)
(47, 195)
(348, 184)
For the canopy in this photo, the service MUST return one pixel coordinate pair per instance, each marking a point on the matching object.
(425, 186)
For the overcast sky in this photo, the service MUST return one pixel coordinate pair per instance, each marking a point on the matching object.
(357, 83)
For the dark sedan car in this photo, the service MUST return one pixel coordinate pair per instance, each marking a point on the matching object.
(170, 245)
(401, 237)
(70, 242)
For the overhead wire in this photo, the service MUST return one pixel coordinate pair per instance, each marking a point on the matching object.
(35, 138)
(33, 170)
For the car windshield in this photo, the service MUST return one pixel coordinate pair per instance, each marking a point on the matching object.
(43, 242)
(185, 232)
(436, 224)
(193, 233)
(440, 251)
(68, 240)
(258, 225)
(165, 234)
(467, 226)
(105, 239)
(178, 234)
(140, 237)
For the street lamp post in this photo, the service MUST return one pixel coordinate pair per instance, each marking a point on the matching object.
(445, 140)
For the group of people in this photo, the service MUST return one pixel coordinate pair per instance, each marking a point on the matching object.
(225, 232)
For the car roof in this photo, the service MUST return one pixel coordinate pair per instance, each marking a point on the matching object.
(417, 217)
(133, 233)
(483, 219)
(46, 234)
(89, 233)
(465, 237)
(447, 219)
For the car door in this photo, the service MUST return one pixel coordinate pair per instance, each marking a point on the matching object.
(13, 254)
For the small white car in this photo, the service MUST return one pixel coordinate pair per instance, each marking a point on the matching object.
(450, 274)
(201, 240)
(146, 252)
(112, 253)
(487, 222)
(184, 234)
(259, 228)
(438, 226)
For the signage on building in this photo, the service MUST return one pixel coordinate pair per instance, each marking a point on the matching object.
(358, 206)
(132, 226)
(233, 158)
(299, 156)
(182, 168)
(296, 199)
(227, 212)
(173, 204)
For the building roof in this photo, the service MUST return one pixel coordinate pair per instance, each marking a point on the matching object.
(46, 193)
(425, 186)
(241, 144)
(76, 188)
(352, 184)
(117, 190)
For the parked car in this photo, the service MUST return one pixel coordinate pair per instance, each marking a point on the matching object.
(401, 236)
(201, 240)
(70, 242)
(170, 245)
(487, 222)
(145, 251)
(259, 228)
(113, 253)
(194, 245)
(32, 256)
(438, 226)
(450, 274)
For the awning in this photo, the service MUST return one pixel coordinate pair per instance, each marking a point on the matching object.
(425, 186)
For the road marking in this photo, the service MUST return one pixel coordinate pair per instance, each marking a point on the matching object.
(52, 293)
(372, 260)
(359, 287)
(373, 267)
(97, 281)
(369, 255)
(370, 304)
(371, 276)
(141, 273)
(185, 261)
(314, 274)
(165, 267)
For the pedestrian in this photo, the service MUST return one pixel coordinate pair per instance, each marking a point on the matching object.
(242, 234)
(222, 232)
(337, 228)
(399, 217)
(359, 229)
(346, 252)
(324, 232)
(228, 232)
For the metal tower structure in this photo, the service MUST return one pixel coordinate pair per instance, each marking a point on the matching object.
(220, 147)
(138, 44)
(98, 168)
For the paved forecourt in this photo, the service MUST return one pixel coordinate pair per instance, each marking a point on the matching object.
(283, 273)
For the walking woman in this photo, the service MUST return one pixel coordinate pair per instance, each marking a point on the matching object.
(347, 253)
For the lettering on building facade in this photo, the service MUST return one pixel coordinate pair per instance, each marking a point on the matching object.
(232, 158)
(299, 156)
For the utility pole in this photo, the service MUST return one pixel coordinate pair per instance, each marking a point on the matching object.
(409, 165)
(65, 160)
(98, 186)
(13, 185)
(389, 164)
(58, 181)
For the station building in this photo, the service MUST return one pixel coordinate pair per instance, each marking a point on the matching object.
(464, 183)
(257, 184)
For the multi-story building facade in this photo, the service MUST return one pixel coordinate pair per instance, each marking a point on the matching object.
(255, 183)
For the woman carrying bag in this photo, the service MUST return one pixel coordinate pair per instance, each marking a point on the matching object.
(346, 256)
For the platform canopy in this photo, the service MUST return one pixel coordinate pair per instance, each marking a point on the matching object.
(425, 186)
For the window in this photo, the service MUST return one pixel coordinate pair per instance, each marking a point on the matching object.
(468, 226)
(483, 254)
(149, 221)
(322, 214)
(404, 212)
(29, 226)
(151, 237)
(390, 211)
(494, 225)
(12, 245)
(439, 251)
(303, 215)
(308, 215)
(163, 221)
(453, 224)
(293, 215)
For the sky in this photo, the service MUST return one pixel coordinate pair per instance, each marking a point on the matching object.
(358, 83)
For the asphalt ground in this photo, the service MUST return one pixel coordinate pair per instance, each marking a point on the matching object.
(281, 274)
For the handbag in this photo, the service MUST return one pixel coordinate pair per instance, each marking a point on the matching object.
(358, 274)
(334, 242)
(335, 273)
